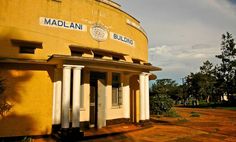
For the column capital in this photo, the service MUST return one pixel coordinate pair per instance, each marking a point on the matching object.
(79, 67)
(145, 73)
(67, 66)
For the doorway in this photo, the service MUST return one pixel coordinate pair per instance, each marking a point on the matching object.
(97, 99)
(134, 98)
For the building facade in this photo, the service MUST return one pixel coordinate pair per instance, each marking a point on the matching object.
(71, 64)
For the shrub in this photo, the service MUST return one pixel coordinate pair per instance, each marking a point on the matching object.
(160, 103)
(4, 105)
(182, 120)
(171, 113)
(194, 114)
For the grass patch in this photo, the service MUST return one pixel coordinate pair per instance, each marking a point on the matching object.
(185, 139)
(172, 113)
(229, 108)
(182, 120)
(194, 114)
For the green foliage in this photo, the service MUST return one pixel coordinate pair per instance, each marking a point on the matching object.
(160, 103)
(200, 85)
(171, 113)
(211, 83)
(182, 120)
(229, 108)
(194, 114)
(4, 105)
(226, 72)
(162, 93)
(165, 86)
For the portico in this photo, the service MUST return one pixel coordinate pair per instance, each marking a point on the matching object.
(110, 91)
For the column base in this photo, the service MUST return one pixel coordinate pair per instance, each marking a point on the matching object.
(145, 123)
(71, 134)
(118, 121)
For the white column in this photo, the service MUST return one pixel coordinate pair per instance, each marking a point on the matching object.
(66, 96)
(126, 101)
(147, 96)
(142, 96)
(76, 96)
(57, 96)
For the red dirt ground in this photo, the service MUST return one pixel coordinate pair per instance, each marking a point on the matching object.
(213, 125)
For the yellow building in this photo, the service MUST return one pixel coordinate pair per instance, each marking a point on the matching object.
(71, 64)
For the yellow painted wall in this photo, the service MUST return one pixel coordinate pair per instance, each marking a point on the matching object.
(29, 90)
(19, 19)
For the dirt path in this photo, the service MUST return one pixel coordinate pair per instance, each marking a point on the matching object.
(212, 125)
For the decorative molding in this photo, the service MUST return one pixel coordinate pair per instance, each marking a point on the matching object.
(99, 32)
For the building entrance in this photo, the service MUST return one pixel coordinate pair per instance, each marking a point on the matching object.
(97, 99)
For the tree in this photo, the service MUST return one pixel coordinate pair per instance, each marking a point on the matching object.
(193, 87)
(161, 93)
(207, 80)
(227, 69)
(160, 104)
(4, 105)
(166, 86)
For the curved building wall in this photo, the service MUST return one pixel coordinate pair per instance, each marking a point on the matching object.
(23, 20)
(35, 36)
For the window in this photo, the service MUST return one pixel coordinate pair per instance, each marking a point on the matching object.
(77, 53)
(116, 90)
(118, 57)
(136, 61)
(26, 47)
(99, 56)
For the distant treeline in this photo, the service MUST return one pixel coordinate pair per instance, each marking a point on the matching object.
(212, 84)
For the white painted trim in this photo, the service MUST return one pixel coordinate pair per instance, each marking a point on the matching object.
(54, 101)
(57, 97)
(66, 96)
(142, 96)
(147, 96)
(76, 98)
(126, 101)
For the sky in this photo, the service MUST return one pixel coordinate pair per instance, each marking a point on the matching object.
(183, 33)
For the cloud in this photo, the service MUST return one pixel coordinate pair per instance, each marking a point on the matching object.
(184, 33)
(179, 60)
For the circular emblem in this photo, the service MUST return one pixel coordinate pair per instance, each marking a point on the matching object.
(98, 32)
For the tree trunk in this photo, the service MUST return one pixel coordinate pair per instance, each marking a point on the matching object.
(208, 99)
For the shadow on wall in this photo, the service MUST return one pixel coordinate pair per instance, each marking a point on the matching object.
(25, 103)
(10, 120)
(28, 112)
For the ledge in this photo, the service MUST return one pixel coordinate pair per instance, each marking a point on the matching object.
(102, 63)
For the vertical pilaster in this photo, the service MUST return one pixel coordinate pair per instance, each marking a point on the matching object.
(57, 96)
(66, 96)
(76, 96)
(126, 97)
(142, 96)
(147, 97)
